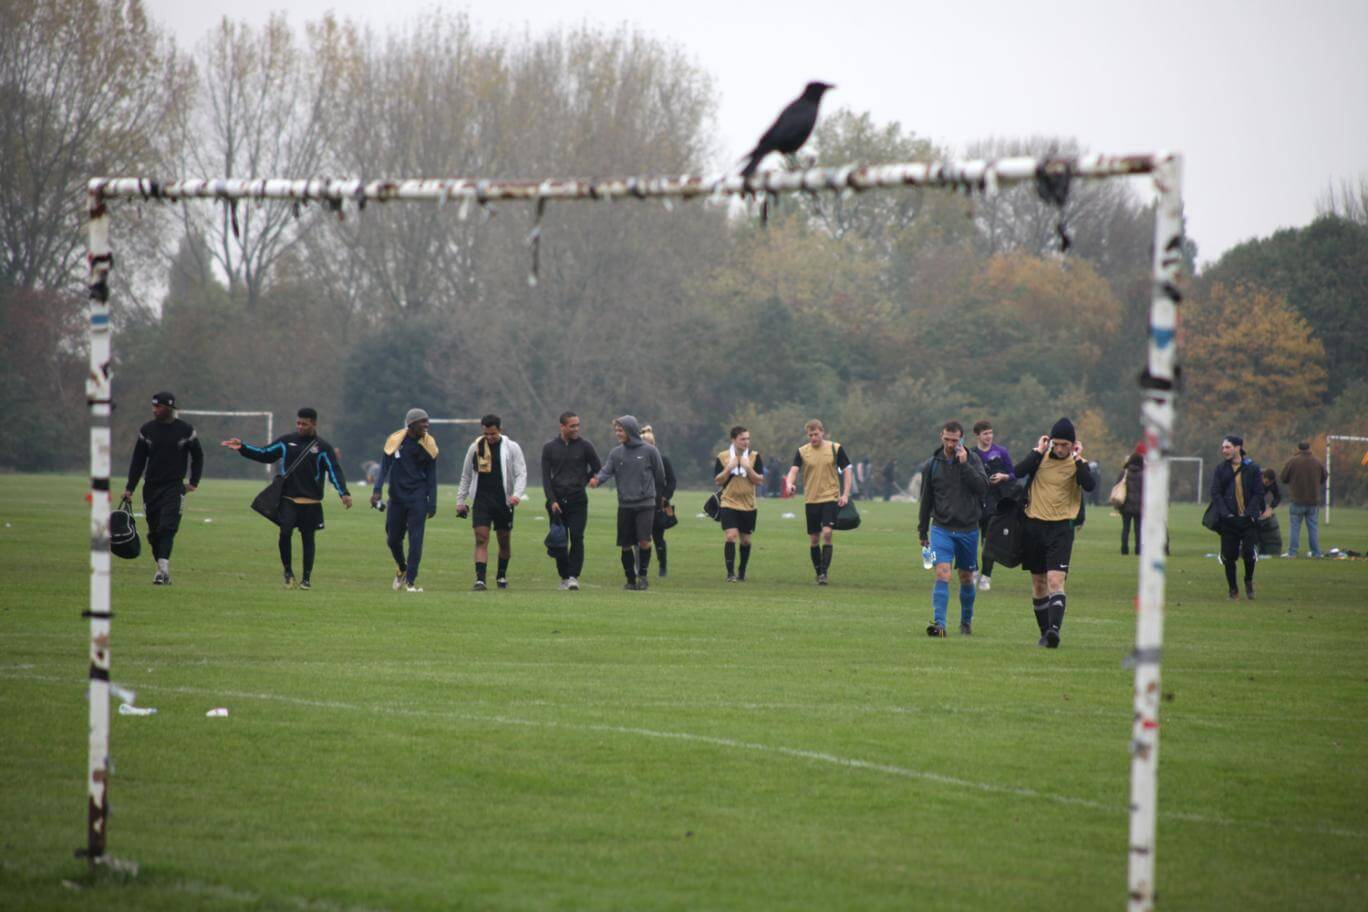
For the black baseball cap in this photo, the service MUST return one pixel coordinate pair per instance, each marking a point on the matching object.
(164, 399)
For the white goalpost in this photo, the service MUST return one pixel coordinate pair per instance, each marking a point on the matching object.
(1200, 470)
(269, 416)
(1051, 176)
(1328, 439)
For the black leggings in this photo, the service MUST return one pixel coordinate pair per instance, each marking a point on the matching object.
(1126, 520)
(305, 517)
(1235, 545)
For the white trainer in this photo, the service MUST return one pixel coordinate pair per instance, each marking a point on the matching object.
(985, 583)
(398, 580)
(564, 584)
(413, 588)
(572, 584)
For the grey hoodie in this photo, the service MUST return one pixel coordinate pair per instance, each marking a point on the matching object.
(637, 466)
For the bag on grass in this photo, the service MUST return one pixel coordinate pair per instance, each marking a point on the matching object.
(123, 532)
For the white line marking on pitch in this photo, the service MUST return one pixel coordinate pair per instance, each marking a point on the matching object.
(796, 753)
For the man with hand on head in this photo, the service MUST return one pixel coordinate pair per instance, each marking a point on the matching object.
(410, 463)
(165, 445)
(952, 500)
(1054, 493)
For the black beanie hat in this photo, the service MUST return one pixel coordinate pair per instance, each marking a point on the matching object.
(1063, 430)
(1235, 441)
(164, 399)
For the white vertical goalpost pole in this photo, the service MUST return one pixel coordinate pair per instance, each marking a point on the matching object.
(1328, 438)
(1160, 385)
(980, 176)
(269, 416)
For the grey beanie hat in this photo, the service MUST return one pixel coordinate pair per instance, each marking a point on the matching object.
(414, 414)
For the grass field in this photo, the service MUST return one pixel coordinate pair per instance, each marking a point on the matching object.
(771, 745)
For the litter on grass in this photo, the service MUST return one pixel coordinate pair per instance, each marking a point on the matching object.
(217, 712)
(128, 709)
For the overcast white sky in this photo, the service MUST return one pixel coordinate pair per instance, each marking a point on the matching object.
(1267, 100)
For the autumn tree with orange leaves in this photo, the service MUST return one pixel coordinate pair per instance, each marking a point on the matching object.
(1252, 366)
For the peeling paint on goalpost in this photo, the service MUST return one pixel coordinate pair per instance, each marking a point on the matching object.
(1051, 177)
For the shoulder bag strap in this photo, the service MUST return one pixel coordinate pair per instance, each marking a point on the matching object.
(302, 456)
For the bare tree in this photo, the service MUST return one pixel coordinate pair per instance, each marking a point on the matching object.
(1349, 200)
(84, 85)
(258, 111)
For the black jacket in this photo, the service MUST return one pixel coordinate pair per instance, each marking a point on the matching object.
(567, 467)
(307, 480)
(162, 450)
(1223, 489)
(952, 494)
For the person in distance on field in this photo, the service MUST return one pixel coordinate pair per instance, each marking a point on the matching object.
(640, 475)
(409, 461)
(951, 504)
(1054, 492)
(165, 445)
(568, 461)
(1134, 473)
(827, 476)
(494, 478)
(1305, 479)
(738, 471)
(301, 503)
(1237, 492)
(658, 524)
(997, 463)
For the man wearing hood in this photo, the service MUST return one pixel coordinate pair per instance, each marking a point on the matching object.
(1054, 500)
(952, 500)
(640, 475)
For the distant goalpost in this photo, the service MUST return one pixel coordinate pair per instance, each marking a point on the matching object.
(1328, 439)
(1051, 177)
(1200, 470)
(269, 416)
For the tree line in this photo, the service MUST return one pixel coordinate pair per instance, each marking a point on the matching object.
(882, 313)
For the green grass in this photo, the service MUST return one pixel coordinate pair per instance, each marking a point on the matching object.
(770, 746)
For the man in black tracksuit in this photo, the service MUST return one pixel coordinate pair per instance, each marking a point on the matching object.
(164, 444)
(410, 463)
(568, 461)
(301, 503)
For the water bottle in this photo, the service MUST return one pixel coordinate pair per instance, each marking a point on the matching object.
(928, 558)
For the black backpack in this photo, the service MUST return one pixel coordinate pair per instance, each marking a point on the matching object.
(123, 532)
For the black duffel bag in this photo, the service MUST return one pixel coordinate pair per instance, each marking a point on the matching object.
(847, 517)
(267, 503)
(124, 540)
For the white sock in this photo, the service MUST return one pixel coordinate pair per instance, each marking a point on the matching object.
(163, 565)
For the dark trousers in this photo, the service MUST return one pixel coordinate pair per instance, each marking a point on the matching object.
(409, 519)
(162, 510)
(574, 513)
(306, 518)
(1238, 541)
(1126, 520)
